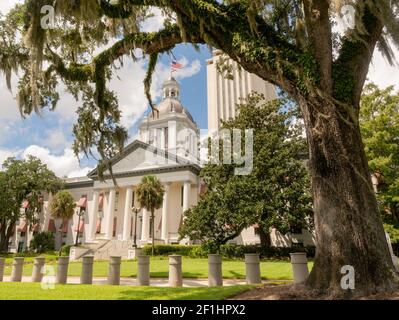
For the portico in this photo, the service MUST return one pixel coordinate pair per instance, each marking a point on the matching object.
(179, 178)
(118, 220)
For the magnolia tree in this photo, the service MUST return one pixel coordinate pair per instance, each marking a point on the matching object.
(276, 192)
(290, 43)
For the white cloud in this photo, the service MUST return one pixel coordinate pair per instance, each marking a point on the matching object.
(56, 139)
(6, 5)
(381, 73)
(65, 164)
(155, 23)
(4, 154)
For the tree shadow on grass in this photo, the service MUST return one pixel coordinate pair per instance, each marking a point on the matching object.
(234, 275)
(199, 293)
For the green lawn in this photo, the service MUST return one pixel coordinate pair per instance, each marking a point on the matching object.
(192, 268)
(33, 291)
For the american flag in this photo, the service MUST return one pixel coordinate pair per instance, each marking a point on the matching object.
(176, 65)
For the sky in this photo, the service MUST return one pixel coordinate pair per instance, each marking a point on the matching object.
(48, 136)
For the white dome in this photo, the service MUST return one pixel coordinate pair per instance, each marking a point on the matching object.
(170, 105)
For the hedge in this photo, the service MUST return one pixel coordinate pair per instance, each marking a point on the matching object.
(229, 251)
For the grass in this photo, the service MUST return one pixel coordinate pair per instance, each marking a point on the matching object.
(192, 268)
(50, 258)
(33, 291)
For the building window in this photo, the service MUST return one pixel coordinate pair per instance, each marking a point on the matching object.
(133, 198)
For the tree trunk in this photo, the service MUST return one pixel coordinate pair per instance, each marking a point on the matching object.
(5, 235)
(348, 225)
(265, 240)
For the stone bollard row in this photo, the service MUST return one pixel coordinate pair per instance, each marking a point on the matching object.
(252, 268)
(215, 277)
(2, 264)
(114, 272)
(86, 277)
(299, 266)
(143, 270)
(175, 271)
(62, 270)
(38, 265)
(17, 269)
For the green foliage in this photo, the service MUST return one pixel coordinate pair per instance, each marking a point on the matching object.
(65, 249)
(150, 193)
(379, 122)
(42, 242)
(23, 180)
(228, 251)
(393, 231)
(194, 251)
(274, 195)
(62, 205)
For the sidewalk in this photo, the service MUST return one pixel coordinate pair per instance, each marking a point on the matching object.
(157, 282)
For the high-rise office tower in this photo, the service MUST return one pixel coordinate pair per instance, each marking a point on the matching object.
(224, 94)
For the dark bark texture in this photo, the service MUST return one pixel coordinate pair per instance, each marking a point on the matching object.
(348, 225)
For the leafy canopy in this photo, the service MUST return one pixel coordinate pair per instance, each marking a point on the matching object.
(23, 181)
(379, 123)
(274, 195)
(290, 43)
(150, 193)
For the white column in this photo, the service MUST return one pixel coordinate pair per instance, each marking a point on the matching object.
(93, 215)
(127, 214)
(109, 216)
(165, 205)
(186, 195)
(145, 226)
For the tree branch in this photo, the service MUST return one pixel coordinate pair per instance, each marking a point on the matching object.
(155, 42)
(352, 65)
(319, 29)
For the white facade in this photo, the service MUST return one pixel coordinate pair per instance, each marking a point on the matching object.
(224, 94)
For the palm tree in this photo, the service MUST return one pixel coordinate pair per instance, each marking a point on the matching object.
(62, 207)
(150, 196)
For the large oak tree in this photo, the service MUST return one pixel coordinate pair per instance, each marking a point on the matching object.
(290, 43)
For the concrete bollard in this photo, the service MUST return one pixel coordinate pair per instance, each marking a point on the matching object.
(215, 277)
(37, 273)
(2, 264)
(143, 270)
(17, 269)
(175, 271)
(114, 272)
(86, 277)
(299, 266)
(252, 268)
(62, 270)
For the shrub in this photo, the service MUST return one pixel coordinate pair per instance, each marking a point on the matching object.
(42, 242)
(65, 250)
(230, 251)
